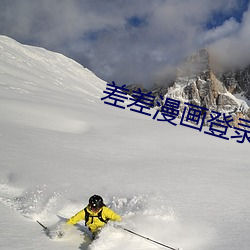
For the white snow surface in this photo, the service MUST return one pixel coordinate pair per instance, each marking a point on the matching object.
(60, 144)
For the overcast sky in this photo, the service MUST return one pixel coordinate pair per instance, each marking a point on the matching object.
(131, 41)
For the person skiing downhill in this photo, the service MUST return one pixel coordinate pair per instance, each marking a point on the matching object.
(95, 214)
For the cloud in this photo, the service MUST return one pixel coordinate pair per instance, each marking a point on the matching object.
(126, 41)
(228, 28)
(233, 49)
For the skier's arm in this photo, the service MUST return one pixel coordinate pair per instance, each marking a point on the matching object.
(77, 217)
(110, 214)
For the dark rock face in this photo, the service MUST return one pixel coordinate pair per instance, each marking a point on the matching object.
(135, 87)
(237, 81)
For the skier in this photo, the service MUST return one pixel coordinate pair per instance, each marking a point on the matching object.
(95, 214)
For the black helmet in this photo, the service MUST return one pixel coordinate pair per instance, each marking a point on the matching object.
(96, 202)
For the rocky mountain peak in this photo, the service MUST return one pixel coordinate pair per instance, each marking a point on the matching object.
(194, 65)
(196, 83)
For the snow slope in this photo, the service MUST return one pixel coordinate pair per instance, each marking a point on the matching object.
(60, 144)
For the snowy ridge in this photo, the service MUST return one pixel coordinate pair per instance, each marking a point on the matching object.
(25, 69)
(31, 74)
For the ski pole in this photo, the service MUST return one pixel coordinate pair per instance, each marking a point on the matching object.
(146, 238)
(45, 228)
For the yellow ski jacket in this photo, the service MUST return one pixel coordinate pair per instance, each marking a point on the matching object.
(94, 223)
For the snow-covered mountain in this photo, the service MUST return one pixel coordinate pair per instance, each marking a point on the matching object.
(198, 82)
(60, 143)
(34, 74)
